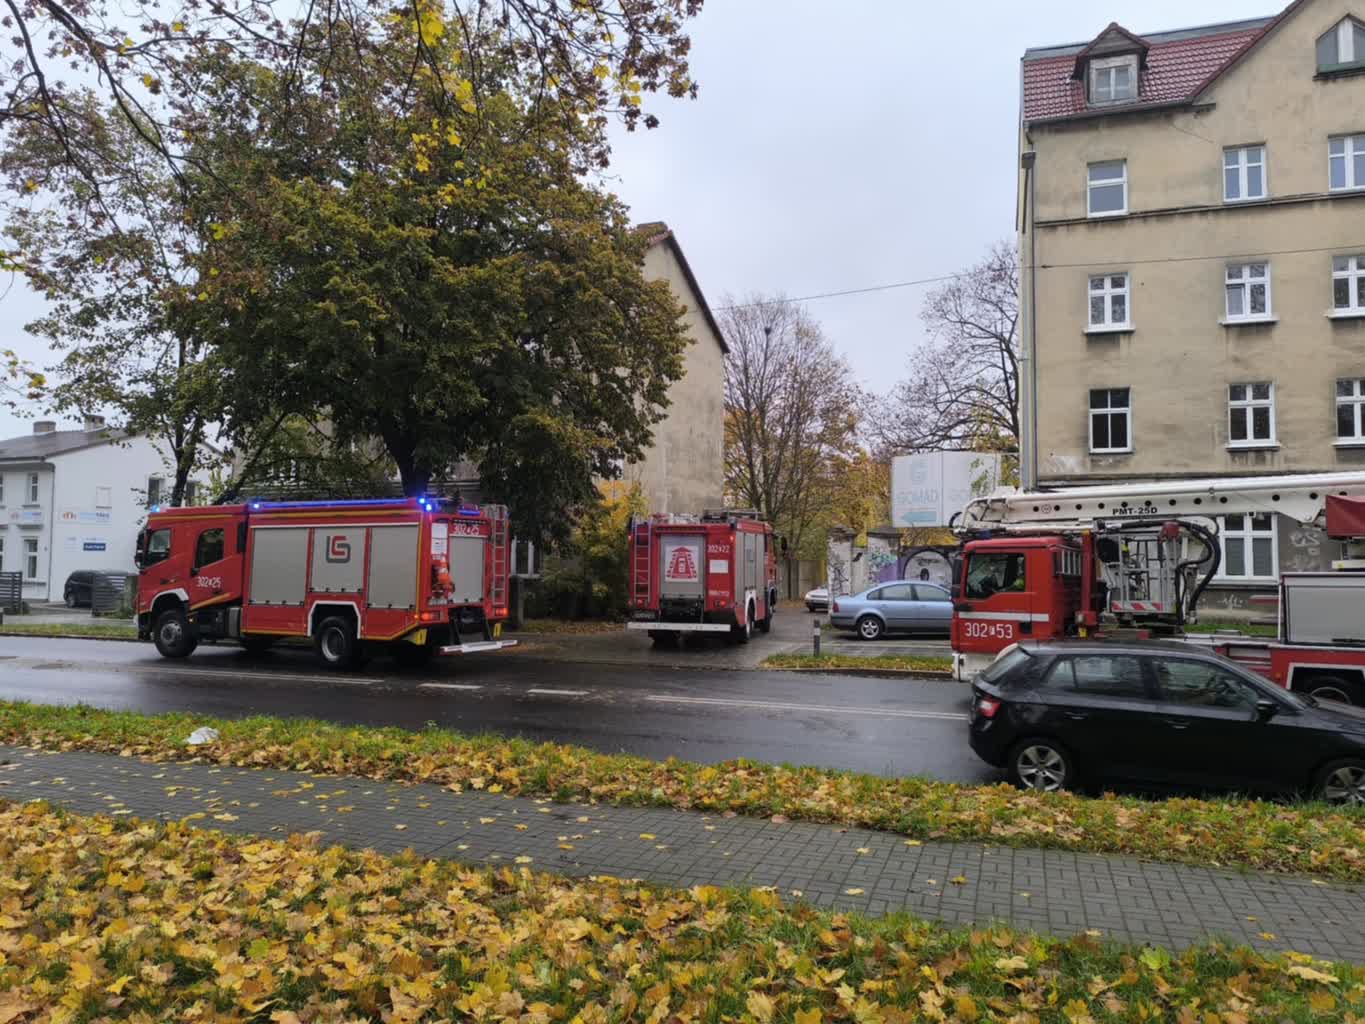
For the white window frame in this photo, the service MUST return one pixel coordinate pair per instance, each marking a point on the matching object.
(32, 489)
(1356, 401)
(31, 559)
(1352, 145)
(1346, 44)
(2, 551)
(1107, 291)
(1248, 534)
(1240, 276)
(1105, 67)
(1111, 411)
(1353, 273)
(104, 497)
(1091, 185)
(155, 500)
(1241, 163)
(1246, 406)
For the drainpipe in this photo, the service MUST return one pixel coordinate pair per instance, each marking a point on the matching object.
(51, 521)
(1028, 443)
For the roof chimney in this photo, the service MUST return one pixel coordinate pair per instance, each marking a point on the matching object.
(45, 427)
(94, 422)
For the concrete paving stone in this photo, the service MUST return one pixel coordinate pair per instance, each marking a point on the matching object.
(1121, 897)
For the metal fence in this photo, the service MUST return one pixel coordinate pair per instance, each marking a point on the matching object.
(11, 592)
(112, 592)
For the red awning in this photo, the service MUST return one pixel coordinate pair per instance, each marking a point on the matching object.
(1345, 517)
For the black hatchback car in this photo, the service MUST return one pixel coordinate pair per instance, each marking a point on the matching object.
(1056, 714)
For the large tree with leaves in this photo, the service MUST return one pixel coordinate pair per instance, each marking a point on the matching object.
(413, 251)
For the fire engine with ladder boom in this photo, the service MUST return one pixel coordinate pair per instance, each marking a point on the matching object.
(1132, 560)
(414, 576)
(713, 573)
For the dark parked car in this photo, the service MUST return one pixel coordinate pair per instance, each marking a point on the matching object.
(902, 607)
(1055, 714)
(77, 591)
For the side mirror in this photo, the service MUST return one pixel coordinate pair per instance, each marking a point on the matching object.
(194, 570)
(1266, 710)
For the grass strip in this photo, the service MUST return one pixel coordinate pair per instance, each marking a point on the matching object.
(118, 919)
(90, 629)
(877, 662)
(1246, 833)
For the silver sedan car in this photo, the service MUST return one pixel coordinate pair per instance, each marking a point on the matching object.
(901, 607)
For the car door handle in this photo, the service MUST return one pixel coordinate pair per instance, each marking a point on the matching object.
(1078, 716)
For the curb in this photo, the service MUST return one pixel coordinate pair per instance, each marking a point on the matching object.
(69, 636)
(890, 673)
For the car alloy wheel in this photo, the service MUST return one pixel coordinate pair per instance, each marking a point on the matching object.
(1040, 767)
(1344, 784)
(869, 628)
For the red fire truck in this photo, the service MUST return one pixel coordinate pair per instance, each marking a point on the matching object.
(713, 573)
(417, 576)
(1133, 560)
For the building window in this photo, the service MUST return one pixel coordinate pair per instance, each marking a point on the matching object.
(1108, 188)
(1346, 162)
(33, 488)
(2, 488)
(104, 497)
(30, 558)
(1350, 401)
(1348, 284)
(1342, 46)
(1248, 544)
(1109, 308)
(1113, 80)
(2, 553)
(1244, 173)
(1251, 414)
(1110, 421)
(1248, 291)
(155, 485)
(191, 490)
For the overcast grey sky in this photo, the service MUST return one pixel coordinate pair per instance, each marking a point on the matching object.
(830, 152)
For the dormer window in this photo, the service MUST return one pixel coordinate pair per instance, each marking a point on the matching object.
(1342, 47)
(1113, 79)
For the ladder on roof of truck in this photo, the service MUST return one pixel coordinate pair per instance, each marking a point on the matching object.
(640, 562)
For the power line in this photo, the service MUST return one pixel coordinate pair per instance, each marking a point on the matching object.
(850, 291)
(1355, 247)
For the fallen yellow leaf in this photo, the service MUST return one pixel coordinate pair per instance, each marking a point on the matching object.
(853, 892)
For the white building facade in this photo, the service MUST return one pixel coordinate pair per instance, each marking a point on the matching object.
(73, 500)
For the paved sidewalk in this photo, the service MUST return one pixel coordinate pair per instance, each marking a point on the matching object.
(856, 869)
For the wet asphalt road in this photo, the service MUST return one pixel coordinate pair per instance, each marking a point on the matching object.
(884, 726)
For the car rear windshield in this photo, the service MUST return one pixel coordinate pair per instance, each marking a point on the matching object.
(1005, 664)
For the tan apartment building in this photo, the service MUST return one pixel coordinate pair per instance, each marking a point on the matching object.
(1192, 206)
(684, 468)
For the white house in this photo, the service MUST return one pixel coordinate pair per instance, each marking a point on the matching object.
(74, 499)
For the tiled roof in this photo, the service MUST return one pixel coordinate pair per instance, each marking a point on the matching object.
(1178, 65)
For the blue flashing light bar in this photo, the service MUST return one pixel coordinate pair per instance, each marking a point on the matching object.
(270, 506)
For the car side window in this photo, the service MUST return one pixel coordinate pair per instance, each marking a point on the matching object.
(896, 592)
(1202, 684)
(210, 547)
(1100, 675)
(991, 572)
(928, 593)
(158, 546)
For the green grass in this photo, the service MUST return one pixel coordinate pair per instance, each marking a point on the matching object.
(1224, 832)
(1249, 628)
(876, 662)
(90, 629)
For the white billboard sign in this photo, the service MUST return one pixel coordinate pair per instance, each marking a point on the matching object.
(929, 489)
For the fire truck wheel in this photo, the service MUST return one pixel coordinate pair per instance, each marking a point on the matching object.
(1341, 782)
(743, 634)
(1336, 688)
(1040, 764)
(336, 643)
(175, 637)
(870, 627)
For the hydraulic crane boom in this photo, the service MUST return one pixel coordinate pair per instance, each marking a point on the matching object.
(1301, 497)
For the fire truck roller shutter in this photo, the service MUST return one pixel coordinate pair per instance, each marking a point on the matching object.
(680, 575)
(466, 568)
(393, 566)
(279, 565)
(746, 571)
(338, 560)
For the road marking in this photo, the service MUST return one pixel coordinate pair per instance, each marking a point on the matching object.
(951, 716)
(557, 693)
(448, 686)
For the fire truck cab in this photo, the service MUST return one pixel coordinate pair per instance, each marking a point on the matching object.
(415, 576)
(1015, 588)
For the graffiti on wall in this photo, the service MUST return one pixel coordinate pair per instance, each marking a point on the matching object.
(881, 565)
(838, 577)
(1304, 550)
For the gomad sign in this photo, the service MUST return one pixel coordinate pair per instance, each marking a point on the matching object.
(929, 489)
